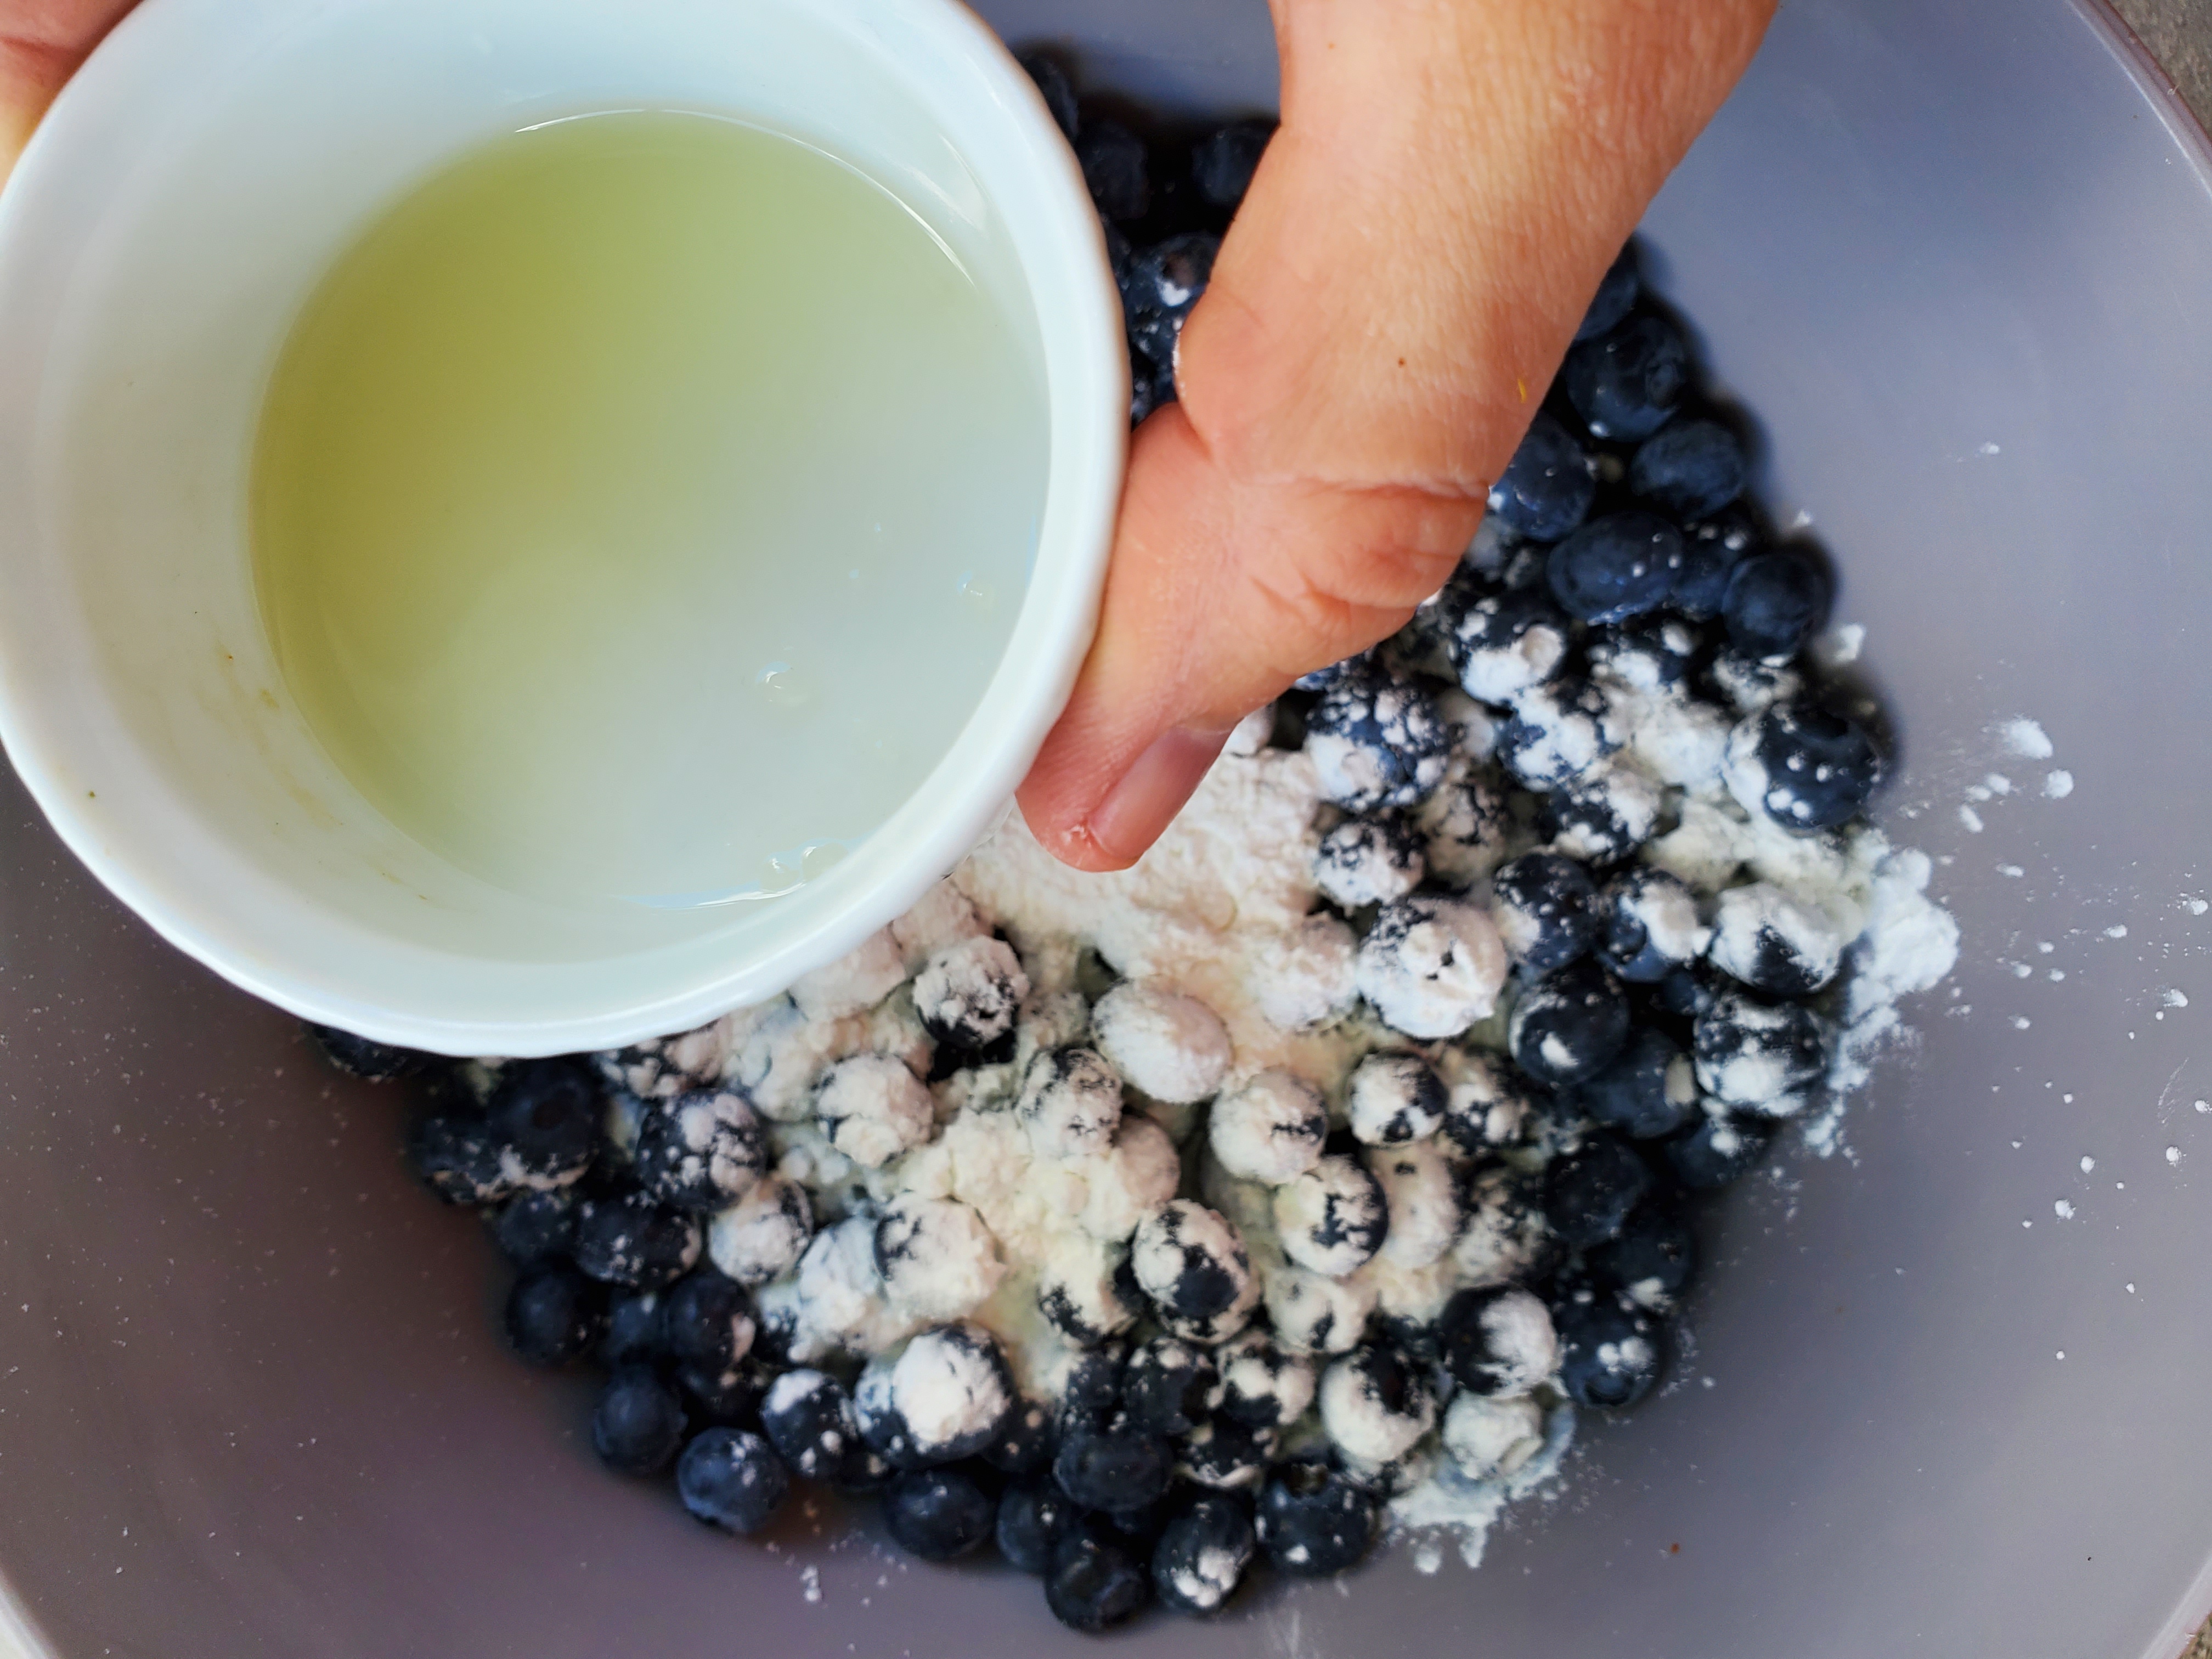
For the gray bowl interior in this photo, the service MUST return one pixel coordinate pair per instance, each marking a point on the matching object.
(1955, 257)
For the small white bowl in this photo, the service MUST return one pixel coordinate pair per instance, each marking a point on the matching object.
(185, 193)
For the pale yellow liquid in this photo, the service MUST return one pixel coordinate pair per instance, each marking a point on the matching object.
(642, 505)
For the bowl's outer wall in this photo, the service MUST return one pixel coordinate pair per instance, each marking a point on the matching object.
(250, 1402)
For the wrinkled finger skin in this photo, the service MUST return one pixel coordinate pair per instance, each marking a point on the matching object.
(1451, 179)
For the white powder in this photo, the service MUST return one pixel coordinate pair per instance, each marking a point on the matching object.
(2058, 784)
(1449, 1505)
(2026, 738)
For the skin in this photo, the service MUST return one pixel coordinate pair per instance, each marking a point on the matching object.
(1451, 180)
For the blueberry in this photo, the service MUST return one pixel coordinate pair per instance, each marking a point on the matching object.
(951, 1392)
(1569, 1026)
(1603, 815)
(1112, 1468)
(544, 1114)
(1369, 859)
(1588, 1193)
(1504, 641)
(1262, 1384)
(939, 1515)
(731, 1480)
(1650, 1090)
(968, 994)
(1649, 925)
(1469, 827)
(1169, 1387)
(638, 1422)
(359, 1056)
(634, 1331)
(1094, 1581)
(1224, 1454)
(1774, 602)
(1313, 1521)
(1626, 383)
(1336, 673)
(1546, 910)
(1486, 1107)
(1547, 489)
(1392, 1099)
(1495, 1339)
(1201, 1556)
(1091, 1393)
(1759, 1056)
(703, 1150)
(707, 1321)
(632, 1242)
(532, 1227)
(553, 1315)
(1686, 992)
(1711, 549)
(1558, 732)
(452, 1155)
(1652, 653)
(1114, 167)
(808, 1418)
(1168, 279)
(1024, 1444)
(1652, 1261)
(1615, 568)
(1376, 1403)
(1032, 1519)
(727, 1394)
(1609, 1355)
(1052, 84)
(1691, 470)
(1223, 165)
(1774, 942)
(1378, 742)
(1154, 337)
(1332, 1217)
(1616, 297)
(1722, 1149)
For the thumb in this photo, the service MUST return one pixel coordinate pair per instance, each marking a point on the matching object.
(41, 44)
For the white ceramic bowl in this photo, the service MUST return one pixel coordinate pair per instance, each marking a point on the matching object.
(185, 193)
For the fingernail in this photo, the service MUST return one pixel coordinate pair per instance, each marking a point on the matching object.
(1151, 792)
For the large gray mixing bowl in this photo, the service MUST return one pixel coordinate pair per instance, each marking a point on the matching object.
(1956, 258)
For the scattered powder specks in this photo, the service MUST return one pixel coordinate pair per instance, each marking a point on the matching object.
(2117, 929)
(1839, 646)
(1971, 818)
(2058, 784)
(810, 1578)
(2063, 1209)
(2011, 870)
(2028, 737)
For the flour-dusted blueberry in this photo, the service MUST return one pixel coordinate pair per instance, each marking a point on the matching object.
(1421, 1191)
(1315, 1314)
(872, 1108)
(1712, 549)
(1139, 1172)
(1616, 297)
(1651, 653)
(629, 1240)
(554, 1315)
(1691, 470)
(1774, 602)
(366, 1059)
(726, 1395)
(1053, 86)
(1489, 1439)
(1270, 1128)
(1025, 1442)
(1751, 686)
(1193, 1268)
(543, 1116)
(1313, 1521)
(938, 1259)
(1569, 1025)
(1648, 1092)
(1589, 1192)
(1615, 568)
(1392, 1097)
(1545, 909)
(1651, 1263)
(1091, 1387)
(1547, 486)
(1469, 827)
(535, 1227)
(700, 1151)
(1610, 1354)
(638, 1422)
(1168, 279)
(1757, 1055)
(1200, 1559)
(1332, 1218)
(1081, 1290)
(1626, 383)
(1149, 388)
(1169, 1386)
(762, 1236)
(633, 1335)
(1096, 1581)
(1223, 1455)
(1171, 1046)
(1263, 1385)
(1070, 1103)
(1224, 162)
(1505, 1237)
(876, 1413)
(953, 1390)
(707, 1321)
(1775, 942)
(1485, 1106)
(970, 993)
(1376, 1404)
(939, 1514)
(1114, 1465)
(1558, 731)
(1722, 1149)
(808, 1418)
(1496, 1340)
(1504, 641)
(1376, 742)
(1369, 859)
(1117, 167)
(1604, 815)
(1033, 1517)
(1432, 966)
(1648, 925)
(1361, 664)
(731, 1480)
(1688, 992)
(663, 1066)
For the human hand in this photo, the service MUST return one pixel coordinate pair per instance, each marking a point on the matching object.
(41, 44)
(1450, 182)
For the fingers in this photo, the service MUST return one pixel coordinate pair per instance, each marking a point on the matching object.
(1451, 180)
(41, 44)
